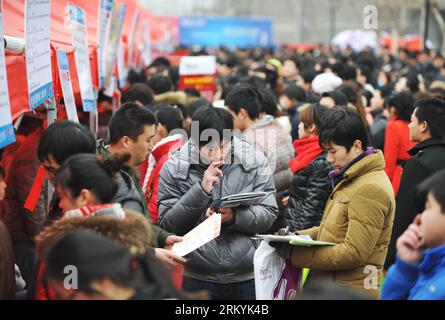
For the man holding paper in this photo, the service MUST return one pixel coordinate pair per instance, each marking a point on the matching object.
(212, 165)
(359, 214)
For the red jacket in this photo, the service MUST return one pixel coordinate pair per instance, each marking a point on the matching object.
(397, 144)
(151, 168)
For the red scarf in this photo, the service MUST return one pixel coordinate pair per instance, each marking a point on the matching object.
(307, 149)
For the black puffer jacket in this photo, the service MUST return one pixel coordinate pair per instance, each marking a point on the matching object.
(309, 192)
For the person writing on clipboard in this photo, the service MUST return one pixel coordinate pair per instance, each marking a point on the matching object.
(196, 182)
(359, 214)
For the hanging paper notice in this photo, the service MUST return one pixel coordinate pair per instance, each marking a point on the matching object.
(67, 88)
(6, 129)
(80, 43)
(105, 8)
(121, 68)
(113, 38)
(38, 54)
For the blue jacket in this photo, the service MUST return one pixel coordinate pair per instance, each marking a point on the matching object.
(424, 281)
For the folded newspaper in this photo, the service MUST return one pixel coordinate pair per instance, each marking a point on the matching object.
(296, 240)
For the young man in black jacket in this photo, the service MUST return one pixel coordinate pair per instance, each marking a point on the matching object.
(427, 127)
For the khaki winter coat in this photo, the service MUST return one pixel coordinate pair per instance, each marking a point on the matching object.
(358, 217)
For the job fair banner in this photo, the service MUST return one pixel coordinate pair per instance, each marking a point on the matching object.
(199, 73)
(67, 88)
(6, 129)
(105, 7)
(81, 56)
(231, 32)
(38, 54)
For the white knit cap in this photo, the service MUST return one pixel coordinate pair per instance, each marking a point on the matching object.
(326, 82)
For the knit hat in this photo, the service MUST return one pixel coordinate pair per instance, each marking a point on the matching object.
(326, 82)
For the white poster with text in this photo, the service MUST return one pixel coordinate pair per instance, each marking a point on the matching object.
(7, 135)
(81, 55)
(38, 54)
(67, 88)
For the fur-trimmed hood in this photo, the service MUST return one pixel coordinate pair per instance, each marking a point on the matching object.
(134, 231)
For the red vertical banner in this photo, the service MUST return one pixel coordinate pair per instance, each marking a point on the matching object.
(34, 194)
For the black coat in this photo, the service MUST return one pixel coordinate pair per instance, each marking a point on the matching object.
(428, 158)
(309, 192)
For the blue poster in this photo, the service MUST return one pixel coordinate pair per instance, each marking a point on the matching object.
(7, 135)
(231, 32)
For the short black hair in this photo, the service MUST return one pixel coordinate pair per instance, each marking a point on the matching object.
(412, 81)
(268, 102)
(253, 81)
(343, 126)
(63, 139)
(191, 109)
(348, 72)
(385, 91)
(366, 71)
(308, 75)
(403, 102)
(339, 97)
(160, 62)
(349, 93)
(246, 97)
(168, 116)
(319, 114)
(231, 61)
(211, 118)
(192, 92)
(436, 185)
(160, 84)
(136, 77)
(130, 120)
(2, 173)
(138, 92)
(294, 92)
(432, 111)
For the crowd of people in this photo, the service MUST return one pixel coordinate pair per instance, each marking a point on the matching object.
(347, 147)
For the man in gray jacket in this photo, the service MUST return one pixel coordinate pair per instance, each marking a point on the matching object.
(203, 171)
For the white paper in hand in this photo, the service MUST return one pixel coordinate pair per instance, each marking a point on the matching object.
(205, 232)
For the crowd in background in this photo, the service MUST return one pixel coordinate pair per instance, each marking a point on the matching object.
(347, 146)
